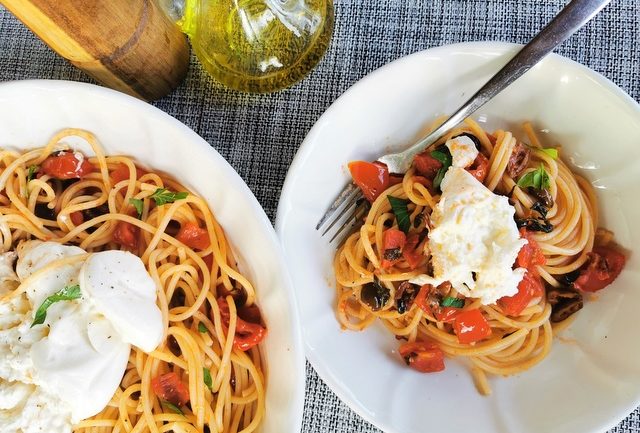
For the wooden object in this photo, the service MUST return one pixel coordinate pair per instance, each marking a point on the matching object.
(128, 45)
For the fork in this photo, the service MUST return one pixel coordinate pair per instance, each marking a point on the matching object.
(350, 204)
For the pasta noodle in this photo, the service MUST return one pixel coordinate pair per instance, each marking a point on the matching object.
(516, 343)
(191, 282)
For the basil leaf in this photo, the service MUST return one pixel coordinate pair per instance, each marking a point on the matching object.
(164, 196)
(66, 294)
(172, 407)
(202, 328)
(538, 179)
(137, 203)
(444, 156)
(551, 151)
(399, 208)
(207, 378)
(32, 170)
(450, 301)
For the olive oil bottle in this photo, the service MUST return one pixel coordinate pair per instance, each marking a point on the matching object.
(256, 45)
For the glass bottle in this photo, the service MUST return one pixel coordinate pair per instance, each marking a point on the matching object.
(256, 45)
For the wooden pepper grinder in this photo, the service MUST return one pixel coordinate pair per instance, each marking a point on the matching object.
(128, 45)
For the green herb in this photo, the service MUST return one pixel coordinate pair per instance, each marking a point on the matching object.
(444, 156)
(164, 196)
(538, 179)
(172, 407)
(207, 378)
(202, 328)
(399, 208)
(137, 203)
(551, 151)
(32, 170)
(66, 294)
(450, 301)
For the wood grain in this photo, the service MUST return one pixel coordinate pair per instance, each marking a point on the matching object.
(128, 45)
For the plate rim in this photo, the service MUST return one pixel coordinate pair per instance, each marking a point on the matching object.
(305, 148)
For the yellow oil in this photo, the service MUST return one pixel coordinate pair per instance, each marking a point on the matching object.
(258, 45)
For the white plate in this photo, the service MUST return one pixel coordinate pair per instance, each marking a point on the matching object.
(32, 111)
(587, 386)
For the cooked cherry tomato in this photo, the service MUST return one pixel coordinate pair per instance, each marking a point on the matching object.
(411, 255)
(122, 173)
(170, 388)
(480, 167)
(471, 326)
(441, 314)
(530, 254)
(208, 260)
(66, 165)
(530, 288)
(372, 178)
(423, 356)
(247, 334)
(421, 298)
(126, 234)
(604, 266)
(394, 179)
(426, 165)
(393, 242)
(427, 183)
(447, 314)
(76, 218)
(193, 236)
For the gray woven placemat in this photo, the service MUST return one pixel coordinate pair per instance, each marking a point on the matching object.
(259, 134)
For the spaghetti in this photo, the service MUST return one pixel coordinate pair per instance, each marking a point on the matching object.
(375, 264)
(212, 326)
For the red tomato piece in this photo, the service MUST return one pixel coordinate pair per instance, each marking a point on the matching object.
(530, 255)
(66, 165)
(193, 236)
(480, 167)
(76, 218)
(372, 178)
(126, 234)
(170, 388)
(530, 287)
(247, 334)
(122, 173)
(208, 260)
(412, 256)
(426, 165)
(421, 298)
(447, 314)
(441, 314)
(603, 267)
(395, 179)
(394, 241)
(423, 356)
(471, 326)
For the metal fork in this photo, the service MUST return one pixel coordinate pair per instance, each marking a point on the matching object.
(350, 204)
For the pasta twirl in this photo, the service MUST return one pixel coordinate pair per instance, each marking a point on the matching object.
(117, 204)
(373, 270)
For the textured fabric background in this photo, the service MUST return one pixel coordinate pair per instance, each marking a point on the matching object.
(259, 134)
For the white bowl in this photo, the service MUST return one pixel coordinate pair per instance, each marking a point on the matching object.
(32, 111)
(586, 386)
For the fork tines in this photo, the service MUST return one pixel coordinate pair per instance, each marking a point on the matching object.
(347, 209)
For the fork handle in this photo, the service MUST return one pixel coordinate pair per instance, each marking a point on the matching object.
(574, 15)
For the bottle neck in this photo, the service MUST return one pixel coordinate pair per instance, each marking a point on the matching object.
(182, 12)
